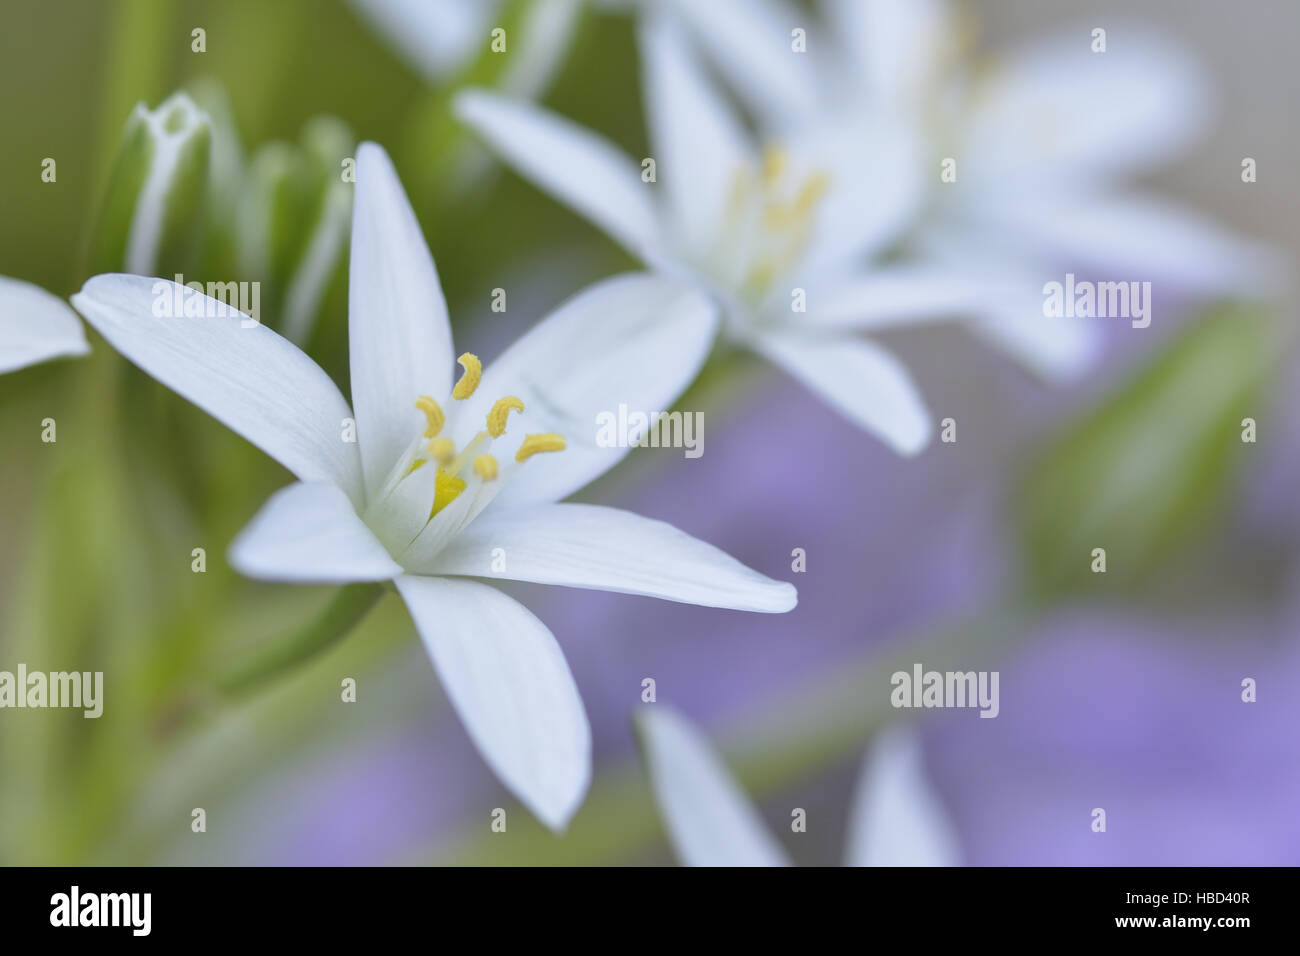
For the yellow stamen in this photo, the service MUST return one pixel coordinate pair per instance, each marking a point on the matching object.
(433, 413)
(774, 163)
(534, 444)
(814, 188)
(485, 466)
(445, 488)
(496, 419)
(442, 450)
(415, 465)
(469, 381)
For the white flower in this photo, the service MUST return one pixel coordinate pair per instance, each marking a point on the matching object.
(444, 482)
(896, 819)
(35, 326)
(1040, 138)
(766, 230)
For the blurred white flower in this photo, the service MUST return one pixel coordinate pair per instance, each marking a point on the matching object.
(1039, 140)
(782, 235)
(895, 820)
(440, 482)
(35, 326)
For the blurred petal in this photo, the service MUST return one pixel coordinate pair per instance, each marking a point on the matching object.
(1129, 237)
(249, 379)
(896, 45)
(751, 43)
(35, 326)
(891, 296)
(512, 689)
(710, 821)
(1055, 111)
(398, 334)
(437, 36)
(635, 339)
(861, 381)
(607, 549)
(310, 533)
(573, 164)
(699, 146)
(897, 819)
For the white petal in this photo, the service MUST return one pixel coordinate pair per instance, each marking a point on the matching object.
(249, 379)
(1130, 237)
(310, 533)
(398, 335)
(588, 546)
(891, 296)
(635, 339)
(897, 819)
(896, 45)
(508, 681)
(35, 326)
(573, 164)
(750, 41)
(709, 819)
(699, 146)
(1055, 111)
(860, 380)
(437, 36)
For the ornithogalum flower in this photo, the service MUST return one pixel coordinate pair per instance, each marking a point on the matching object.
(426, 483)
(781, 234)
(896, 819)
(35, 326)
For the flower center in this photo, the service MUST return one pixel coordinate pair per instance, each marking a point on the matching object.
(451, 462)
(769, 221)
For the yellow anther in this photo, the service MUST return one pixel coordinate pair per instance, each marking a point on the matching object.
(433, 413)
(485, 466)
(442, 450)
(469, 381)
(445, 488)
(496, 419)
(416, 465)
(814, 188)
(774, 163)
(534, 444)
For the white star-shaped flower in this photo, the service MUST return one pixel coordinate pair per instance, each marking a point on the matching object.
(446, 482)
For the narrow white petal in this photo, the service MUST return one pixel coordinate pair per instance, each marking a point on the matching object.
(310, 533)
(636, 339)
(398, 335)
(1054, 111)
(35, 326)
(709, 819)
(607, 549)
(249, 379)
(509, 682)
(860, 380)
(895, 45)
(897, 819)
(1138, 238)
(573, 164)
(437, 36)
(699, 146)
(891, 296)
(751, 43)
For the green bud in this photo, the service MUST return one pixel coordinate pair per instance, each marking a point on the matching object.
(151, 217)
(1142, 473)
(294, 217)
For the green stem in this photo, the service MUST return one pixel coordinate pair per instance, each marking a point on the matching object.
(349, 606)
